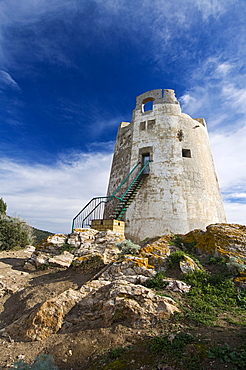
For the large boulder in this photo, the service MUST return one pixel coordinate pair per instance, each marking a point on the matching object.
(227, 240)
(188, 265)
(123, 302)
(44, 320)
(81, 236)
(52, 243)
(88, 262)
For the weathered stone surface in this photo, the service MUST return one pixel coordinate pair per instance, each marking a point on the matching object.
(81, 236)
(88, 262)
(188, 265)
(84, 243)
(36, 261)
(121, 301)
(104, 243)
(44, 320)
(131, 268)
(62, 260)
(227, 240)
(29, 266)
(4, 289)
(52, 243)
(177, 286)
(157, 252)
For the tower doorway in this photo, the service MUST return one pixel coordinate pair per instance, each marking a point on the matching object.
(145, 159)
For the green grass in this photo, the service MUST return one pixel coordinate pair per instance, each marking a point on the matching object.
(210, 296)
(172, 348)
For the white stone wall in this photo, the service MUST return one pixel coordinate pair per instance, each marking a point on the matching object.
(180, 193)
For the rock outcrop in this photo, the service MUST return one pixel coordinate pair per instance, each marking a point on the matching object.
(227, 240)
(44, 320)
(117, 294)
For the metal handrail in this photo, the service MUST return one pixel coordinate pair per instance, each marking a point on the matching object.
(86, 206)
(112, 196)
(125, 179)
(132, 183)
(93, 211)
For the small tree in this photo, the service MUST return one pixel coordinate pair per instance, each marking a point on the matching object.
(3, 207)
(14, 233)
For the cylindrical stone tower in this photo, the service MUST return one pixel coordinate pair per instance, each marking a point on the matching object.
(181, 191)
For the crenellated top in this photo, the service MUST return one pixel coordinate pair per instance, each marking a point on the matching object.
(158, 96)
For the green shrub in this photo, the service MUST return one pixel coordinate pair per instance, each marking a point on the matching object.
(42, 362)
(156, 282)
(175, 258)
(66, 248)
(180, 243)
(178, 256)
(217, 260)
(172, 348)
(128, 247)
(14, 233)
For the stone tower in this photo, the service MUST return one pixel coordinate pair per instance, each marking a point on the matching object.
(181, 190)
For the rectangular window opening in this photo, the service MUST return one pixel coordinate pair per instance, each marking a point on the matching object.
(186, 153)
(151, 124)
(142, 125)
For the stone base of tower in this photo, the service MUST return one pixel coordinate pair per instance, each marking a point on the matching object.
(104, 225)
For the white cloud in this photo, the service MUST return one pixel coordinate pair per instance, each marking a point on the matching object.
(7, 81)
(216, 91)
(229, 151)
(236, 213)
(48, 197)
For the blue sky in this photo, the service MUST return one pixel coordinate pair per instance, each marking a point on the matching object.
(69, 74)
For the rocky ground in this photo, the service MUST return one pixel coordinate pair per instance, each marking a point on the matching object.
(84, 300)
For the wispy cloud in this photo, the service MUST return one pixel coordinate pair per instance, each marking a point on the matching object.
(45, 27)
(48, 197)
(217, 91)
(6, 81)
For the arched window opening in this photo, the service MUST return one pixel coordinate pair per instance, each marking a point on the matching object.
(147, 104)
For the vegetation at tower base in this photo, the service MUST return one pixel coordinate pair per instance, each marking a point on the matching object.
(172, 303)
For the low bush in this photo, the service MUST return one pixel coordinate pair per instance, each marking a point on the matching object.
(178, 241)
(116, 352)
(226, 354)
(156, 282)
(178, 256)
(128, 247)
(14, 233)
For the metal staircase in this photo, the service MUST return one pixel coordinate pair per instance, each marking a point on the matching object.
(94, 210)
(127, 198)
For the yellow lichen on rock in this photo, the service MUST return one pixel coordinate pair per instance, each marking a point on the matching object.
(157, 250)
(220, 240)
(88, 262)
